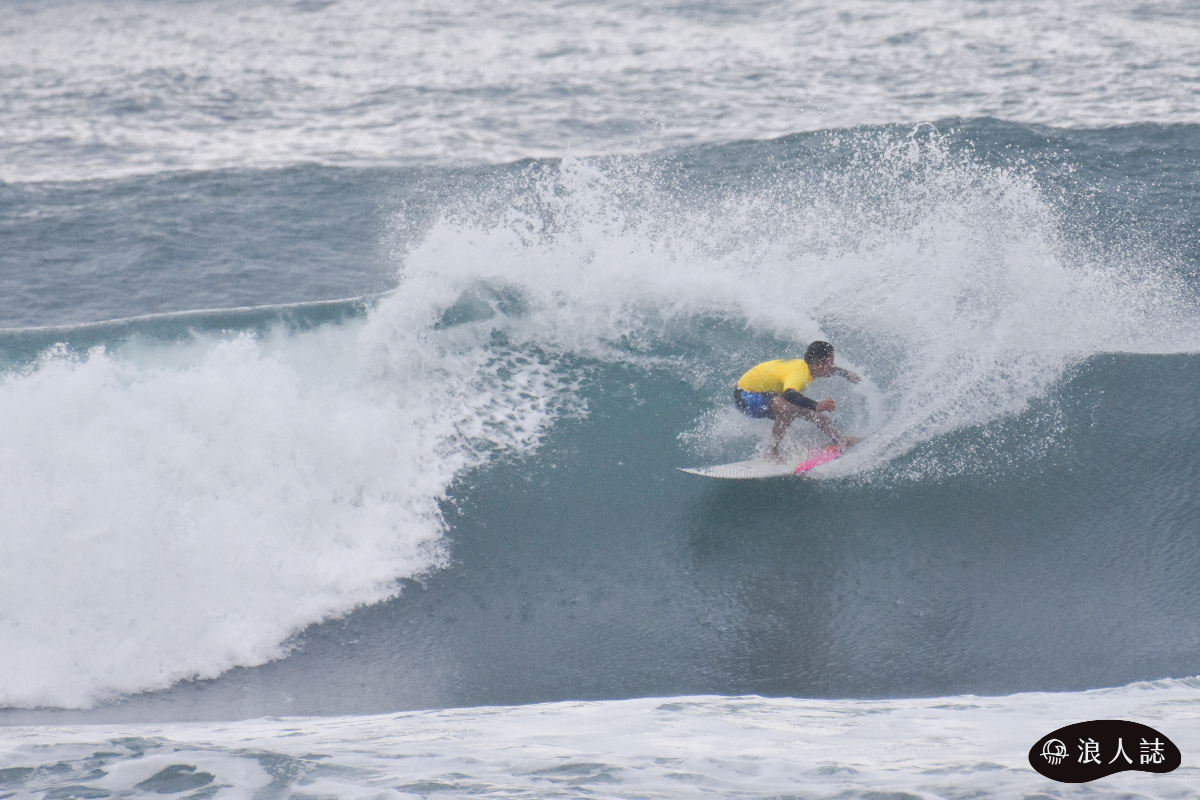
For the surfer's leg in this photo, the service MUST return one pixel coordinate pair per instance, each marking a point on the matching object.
(824, 424)
(784, 414)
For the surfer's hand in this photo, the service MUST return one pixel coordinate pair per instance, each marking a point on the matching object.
(826, 405)
(853, 377)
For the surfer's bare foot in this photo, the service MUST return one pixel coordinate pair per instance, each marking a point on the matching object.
(772, 454)
(842, 442)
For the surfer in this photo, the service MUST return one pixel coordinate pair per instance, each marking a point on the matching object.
(771, 390)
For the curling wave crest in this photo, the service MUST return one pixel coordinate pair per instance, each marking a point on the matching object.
(963, 291)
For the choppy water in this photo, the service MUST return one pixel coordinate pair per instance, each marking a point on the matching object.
(348, 353)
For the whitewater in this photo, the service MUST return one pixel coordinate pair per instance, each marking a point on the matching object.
(347, 353)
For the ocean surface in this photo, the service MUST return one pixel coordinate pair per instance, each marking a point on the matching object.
(348, 351)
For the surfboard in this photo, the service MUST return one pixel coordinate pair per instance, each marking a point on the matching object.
(765, 468)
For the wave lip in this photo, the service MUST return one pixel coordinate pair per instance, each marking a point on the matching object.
(957, 288)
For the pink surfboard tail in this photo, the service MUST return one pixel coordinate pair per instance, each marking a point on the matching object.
(818, 457)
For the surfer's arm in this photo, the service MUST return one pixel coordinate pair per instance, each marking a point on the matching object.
(797, 399)
(853, 377)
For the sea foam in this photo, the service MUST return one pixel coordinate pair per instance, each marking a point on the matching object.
(175, 510)
(750, 747)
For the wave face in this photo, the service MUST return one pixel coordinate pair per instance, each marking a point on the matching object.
(100, 89)
(461, 491)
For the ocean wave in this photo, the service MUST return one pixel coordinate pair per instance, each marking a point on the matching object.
(195, 490)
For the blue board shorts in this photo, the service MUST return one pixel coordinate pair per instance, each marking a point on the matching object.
(754, 404)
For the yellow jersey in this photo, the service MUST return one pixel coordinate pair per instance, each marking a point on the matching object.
(777, 376)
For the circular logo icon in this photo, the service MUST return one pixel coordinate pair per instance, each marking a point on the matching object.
(1054, 751)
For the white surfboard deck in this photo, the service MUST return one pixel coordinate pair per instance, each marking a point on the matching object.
(765, 468)
(740, 470)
